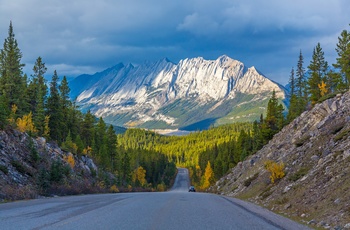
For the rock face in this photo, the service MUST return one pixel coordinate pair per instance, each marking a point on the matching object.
(167, 95)
(30, 167)
(315, 149)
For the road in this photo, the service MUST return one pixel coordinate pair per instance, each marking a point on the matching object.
(176, 209)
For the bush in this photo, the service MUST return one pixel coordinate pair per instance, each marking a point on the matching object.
(299, 174)
(19, 167)
(248, 181)
(58, 171)
(4, 169)
(276, 170)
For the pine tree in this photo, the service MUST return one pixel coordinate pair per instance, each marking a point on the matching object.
(87, 132)
(65, 102)
(343, 60)
(12, 84)
(37, 91)
(301, 85)
(318, 71)
(54, 110)
(292, 82)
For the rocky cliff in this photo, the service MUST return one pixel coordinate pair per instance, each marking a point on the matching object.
(167, 95)
(315, 149)
(31, 167)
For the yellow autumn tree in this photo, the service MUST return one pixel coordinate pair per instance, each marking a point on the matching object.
(276, 170)
(46, 133)
(70, 160)
(26, 124)
(208, 176)
(13, 115)
(323, 88)
(139, 176)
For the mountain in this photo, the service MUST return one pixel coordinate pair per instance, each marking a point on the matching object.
(193, 94)
(315, 151)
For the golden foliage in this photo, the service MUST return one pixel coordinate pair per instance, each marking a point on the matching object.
(139, 176)
(113, 189)
(13, 114)
(208, 176)
(70, 160)
(323, 88)
(276, 170)
(161, 187)
(26, 124)
(87, 151)
(46, 126)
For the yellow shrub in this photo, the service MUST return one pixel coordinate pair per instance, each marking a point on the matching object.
(26, 124)
(113, 189)
(70, 160)
(276, 170)
(161, 187)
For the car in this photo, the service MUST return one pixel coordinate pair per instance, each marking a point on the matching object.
(191, 189)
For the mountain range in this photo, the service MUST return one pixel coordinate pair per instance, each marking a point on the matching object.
(193, 94)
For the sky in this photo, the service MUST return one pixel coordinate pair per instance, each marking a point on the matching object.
(79, 36)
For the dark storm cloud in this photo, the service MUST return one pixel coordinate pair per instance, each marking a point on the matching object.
(81, 36)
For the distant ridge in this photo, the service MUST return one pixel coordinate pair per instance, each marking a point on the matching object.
(195, 93)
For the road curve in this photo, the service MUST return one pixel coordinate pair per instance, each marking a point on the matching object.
(176, 209)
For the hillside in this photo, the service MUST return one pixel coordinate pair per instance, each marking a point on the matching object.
(191, 95)
(31, 167)
(315, 150)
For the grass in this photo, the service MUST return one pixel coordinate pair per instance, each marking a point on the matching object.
(299, 174)
(342, 134)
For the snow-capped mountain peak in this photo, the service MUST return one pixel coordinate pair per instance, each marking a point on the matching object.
(166, 93)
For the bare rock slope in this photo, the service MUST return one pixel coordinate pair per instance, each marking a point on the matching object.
(315, 149)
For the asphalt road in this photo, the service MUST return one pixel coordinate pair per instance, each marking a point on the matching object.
(176, 209)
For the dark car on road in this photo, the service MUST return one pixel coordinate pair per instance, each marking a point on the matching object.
(191, 189)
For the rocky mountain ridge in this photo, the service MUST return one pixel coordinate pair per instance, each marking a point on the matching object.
(167, 95)
(315, 149)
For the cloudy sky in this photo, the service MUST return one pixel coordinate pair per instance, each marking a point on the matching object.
(79, 36)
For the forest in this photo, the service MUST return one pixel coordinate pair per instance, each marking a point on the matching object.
(143, 158)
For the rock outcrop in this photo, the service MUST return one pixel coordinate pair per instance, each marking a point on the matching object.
(315, 149)
(31, 167)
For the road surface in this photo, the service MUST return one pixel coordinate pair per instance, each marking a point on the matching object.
(176, 209)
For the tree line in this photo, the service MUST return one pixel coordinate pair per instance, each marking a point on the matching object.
(40, 109)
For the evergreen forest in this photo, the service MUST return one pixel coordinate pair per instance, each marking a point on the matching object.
(143, 158)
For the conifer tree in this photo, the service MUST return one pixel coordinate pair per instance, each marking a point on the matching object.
(65, 102)
(54, 110)
(318, 71)
(37, 91)
(12, 84)
(343, 61)
(301, 85)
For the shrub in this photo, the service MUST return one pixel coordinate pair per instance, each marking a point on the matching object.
(70, 160)
(299, 174)
(4, 169)
(58, 171)
(248, 181)
(19, 167)
(113, 189)
(276, 170)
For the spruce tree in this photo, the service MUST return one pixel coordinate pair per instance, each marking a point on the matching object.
(301, 85)
(343, 60)
(318, 71)
(54, 110)
(12, 83)
(37, 91)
